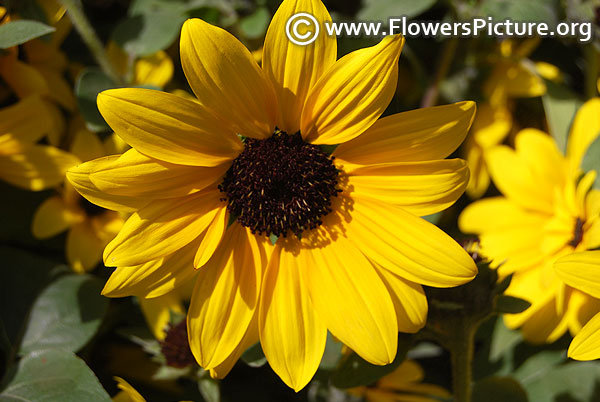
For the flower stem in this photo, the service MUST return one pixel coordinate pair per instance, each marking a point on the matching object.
(432, 93)
(461, 352)
(83, 26)
(591, 73)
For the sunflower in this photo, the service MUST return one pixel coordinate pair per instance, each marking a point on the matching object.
(288, 240)
(580, 270)
(155, 69)
(90, 228)
(402, 385)
(548, 211)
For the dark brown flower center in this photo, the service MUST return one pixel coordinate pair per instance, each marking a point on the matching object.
(175, 347)
(577, 233)
(281, 184)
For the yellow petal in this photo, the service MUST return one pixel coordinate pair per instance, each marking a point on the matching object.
(136, 175)
(157, 312)
(211, 238)
(422, 188)
(294, 69)
(497, 213)
(545, 161)
(226, 79)
(155, 69)
(225, 297)
(581, 271)
(351, 299)
(58, 89)
(479, 178)
(168, 127)
(250, 338)
(417, 135)
(52, 217)
(132, 394)
(586, 128)
(292, 336)
(22, 124)
(87, 146)
(37, 168)
(586, 344)
(352, 94)
(409, 301)
(162, 227)
(57, 127)
(407, 245)
(23, 78)
(491, 126)
(79, 177)
(154, 278)
(522, 81)
(84, 248)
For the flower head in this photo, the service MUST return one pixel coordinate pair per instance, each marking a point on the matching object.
(213, 183)
(548, 210)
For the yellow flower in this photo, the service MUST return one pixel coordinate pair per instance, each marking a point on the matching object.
(547, 212)
(127, 393)
(352, 253)
(403, 385)
(90, 228)
(581, 271)
(23, 163)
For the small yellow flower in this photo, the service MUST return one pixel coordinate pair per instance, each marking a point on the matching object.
(547, 211)
(352, 253)
(403, 385)
(155, 69)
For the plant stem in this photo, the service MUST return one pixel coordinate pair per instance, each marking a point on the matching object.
(591, 73)
(461, 352)
(83, 26)
(433, 91)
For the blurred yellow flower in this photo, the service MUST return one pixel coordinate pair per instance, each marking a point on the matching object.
(352, 253)
(547, 211)
(155, 69)
(23, 163)
(90, 228)
(403, 385)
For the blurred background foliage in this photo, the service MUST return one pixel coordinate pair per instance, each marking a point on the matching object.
(61, 341)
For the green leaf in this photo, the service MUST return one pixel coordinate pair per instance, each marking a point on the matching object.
(591, 160)
(518, 10)
(332, 354)
(254, 356)
(576, 381)
(511, 305)
(66, 314)
(498, 389)
(53, 375)
(560, 105)
(255, 25)
(147, 33)
(381, 9)
(24, 275)
(90, 83)
(503, 340)
(539, 365)
(16, 33)
(209, 389)
(353, 371)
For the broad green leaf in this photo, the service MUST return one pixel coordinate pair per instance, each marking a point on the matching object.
(518, 10)
(16, 33)
(332, 354)
(560, 105)
(254, 356)
(353, 371)
(511, 305)
(24, 275)
(52, 375)
(90, 83)
(66, 314)
(591, 160)
(255, 25)
(381, 9)
(539, 365)
(503, 340)
(575, 381)
(498, 389)
(209, 389)
(147, 33)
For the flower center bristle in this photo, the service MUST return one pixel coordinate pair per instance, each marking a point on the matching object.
(577, 233)
(175, 347)
(281, 184)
